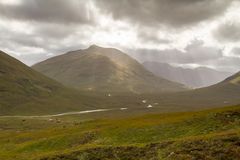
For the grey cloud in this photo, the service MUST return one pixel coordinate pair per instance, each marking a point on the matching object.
(50, 37)
(55, 31)
(59, 26)
(226, 63)
(33, 48)
(236, 51)
(229, 61)
(151, 37)
(194, 53)
(14, 40)
(175, 13)
(51, 23)
(50, 11)
(228, 32)
(31, 59)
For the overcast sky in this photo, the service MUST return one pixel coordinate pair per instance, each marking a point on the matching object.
(187, 33)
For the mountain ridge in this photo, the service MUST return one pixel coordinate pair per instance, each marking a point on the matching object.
(235, 79)
(194, 78)
(104, 69)
(25, 91)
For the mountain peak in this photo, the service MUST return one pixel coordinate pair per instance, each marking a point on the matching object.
(94, 46)
(104, 70)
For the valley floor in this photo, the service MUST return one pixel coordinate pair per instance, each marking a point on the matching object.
(210, 134)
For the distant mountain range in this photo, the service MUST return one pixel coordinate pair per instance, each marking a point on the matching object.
(24, 91)
(109, 70)
(104, 70)
(221, 94)
(194, 78)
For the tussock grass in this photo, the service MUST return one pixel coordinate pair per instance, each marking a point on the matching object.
(186, 135)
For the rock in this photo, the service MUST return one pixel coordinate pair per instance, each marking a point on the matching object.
(149, 106)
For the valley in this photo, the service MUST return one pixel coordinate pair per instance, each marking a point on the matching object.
(119, 80)
(46, 118)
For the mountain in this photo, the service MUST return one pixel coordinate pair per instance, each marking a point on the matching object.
(104, 70)
(235, 79)
(25, 91)
(194, 78)
(221, 94)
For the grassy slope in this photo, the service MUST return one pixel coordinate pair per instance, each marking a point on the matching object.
(211, 134)
(25, 91)
(104, 70)
(215, 96)
(221, 94)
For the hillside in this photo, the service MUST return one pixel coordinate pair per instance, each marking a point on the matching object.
(219, 95)
(31, 93)
(235, 79)
(194, 78)
(210, 134)
(25, 91)
(104, 70)
(224, 93)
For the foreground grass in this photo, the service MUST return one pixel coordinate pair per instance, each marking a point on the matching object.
(211, 134)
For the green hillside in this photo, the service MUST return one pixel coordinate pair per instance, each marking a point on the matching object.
(235, 79)
(222, 94)
(25, 91)
(211, 134)
(104, 70)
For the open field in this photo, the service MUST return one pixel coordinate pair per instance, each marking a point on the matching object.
(210, 134)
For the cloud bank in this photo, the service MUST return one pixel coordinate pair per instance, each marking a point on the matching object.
(183, 32)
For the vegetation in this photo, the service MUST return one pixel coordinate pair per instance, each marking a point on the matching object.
(104, 70)
(138, 132)
(210, 134)
(26, 92)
